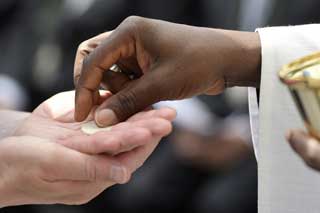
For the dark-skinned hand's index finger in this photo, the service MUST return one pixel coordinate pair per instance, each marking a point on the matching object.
(97, 62)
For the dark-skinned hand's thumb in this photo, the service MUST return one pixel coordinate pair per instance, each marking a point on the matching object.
(134, 97)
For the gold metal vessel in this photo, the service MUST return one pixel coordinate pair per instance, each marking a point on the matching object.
(302, 77)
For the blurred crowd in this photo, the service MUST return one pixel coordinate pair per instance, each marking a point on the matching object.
(207, 164)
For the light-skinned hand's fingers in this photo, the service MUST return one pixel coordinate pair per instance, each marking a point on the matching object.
(67, 164)
(158, 126)
(135, 158)
(306, 146)
(73, 192)
(53, 108)
(164, 112)
(110, 142)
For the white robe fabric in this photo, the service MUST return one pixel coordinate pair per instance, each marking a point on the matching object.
(285, 184)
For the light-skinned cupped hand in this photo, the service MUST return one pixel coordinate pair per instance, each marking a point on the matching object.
(50, 160)
(307, 146)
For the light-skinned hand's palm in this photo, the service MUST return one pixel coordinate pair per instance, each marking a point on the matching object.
(63, 164)
(54, 120)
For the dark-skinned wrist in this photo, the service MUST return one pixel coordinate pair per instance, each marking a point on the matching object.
(242, 59)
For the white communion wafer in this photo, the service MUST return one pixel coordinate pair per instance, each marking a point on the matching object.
(91, 128)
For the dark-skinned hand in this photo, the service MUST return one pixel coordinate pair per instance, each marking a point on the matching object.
(160, 61)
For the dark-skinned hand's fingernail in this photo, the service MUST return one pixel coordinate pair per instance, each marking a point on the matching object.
(105, 117)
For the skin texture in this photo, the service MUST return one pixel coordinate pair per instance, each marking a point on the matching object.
(167, 61)
(306, 146)
(60, 164)
(9, 121)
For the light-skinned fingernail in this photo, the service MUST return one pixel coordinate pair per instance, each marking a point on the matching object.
(105, 117)
(118, 174)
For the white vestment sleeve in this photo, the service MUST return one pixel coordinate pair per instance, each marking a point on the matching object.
(254, 119)
(286, 184)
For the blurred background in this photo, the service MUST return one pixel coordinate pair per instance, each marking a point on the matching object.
(207, 164)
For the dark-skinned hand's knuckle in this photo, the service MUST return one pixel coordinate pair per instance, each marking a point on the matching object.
(128, 102)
